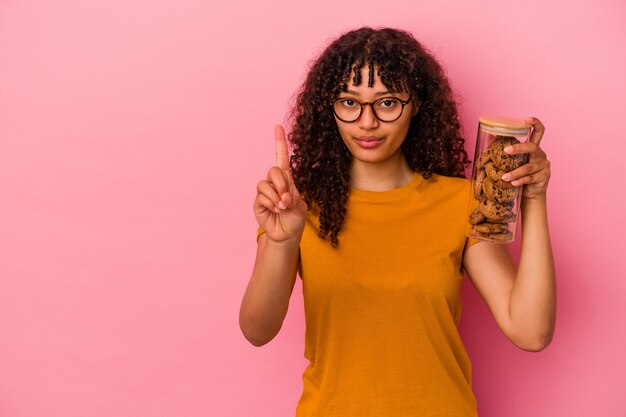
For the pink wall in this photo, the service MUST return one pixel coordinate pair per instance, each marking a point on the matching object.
(126, 230)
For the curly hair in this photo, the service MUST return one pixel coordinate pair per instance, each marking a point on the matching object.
(321, 162)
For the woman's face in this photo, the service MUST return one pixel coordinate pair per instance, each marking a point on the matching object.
(369, 139)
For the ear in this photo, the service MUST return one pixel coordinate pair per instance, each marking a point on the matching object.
(416, 107)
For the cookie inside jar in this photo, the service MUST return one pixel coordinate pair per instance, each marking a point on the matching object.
(494, 202)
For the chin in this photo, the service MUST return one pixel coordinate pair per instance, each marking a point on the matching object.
(371, 159)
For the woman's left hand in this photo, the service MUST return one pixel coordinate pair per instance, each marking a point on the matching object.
(535, 174)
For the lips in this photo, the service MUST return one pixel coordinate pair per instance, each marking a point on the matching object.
(368, 142)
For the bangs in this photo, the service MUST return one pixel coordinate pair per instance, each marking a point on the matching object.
(392, 75)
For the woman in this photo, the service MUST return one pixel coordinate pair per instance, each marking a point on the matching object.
(371, 210)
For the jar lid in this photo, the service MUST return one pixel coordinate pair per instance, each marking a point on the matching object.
(504, 124)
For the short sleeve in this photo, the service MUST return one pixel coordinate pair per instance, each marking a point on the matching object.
(469, 242)
(472, 205)
(259, 232)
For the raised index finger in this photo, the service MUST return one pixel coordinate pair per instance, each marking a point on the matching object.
(282, 155)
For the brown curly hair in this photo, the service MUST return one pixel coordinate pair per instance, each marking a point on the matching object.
(320, 163)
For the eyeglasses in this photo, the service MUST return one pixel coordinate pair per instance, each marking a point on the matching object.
(386, 109)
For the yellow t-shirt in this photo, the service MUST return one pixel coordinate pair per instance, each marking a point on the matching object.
(382, 308)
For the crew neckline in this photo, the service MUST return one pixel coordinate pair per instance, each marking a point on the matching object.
(387, 194)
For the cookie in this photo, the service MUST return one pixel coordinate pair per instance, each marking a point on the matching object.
(496, 212)
(478, 183)
(495, 175)
(496, 197)
(476, 217)
(501, 159)
(500, 195)
(483, 159)
(503, 237)
(486, 227)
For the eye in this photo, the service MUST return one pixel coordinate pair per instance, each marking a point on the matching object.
(348, 102)
(387, 103)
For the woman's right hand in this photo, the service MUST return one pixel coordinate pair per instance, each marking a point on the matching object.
(278, 207)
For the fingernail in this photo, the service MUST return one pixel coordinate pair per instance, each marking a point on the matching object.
(508, 149)
(515, 183)
(281, 205)
(506, 177)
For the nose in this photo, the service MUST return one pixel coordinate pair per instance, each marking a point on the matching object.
(368, 121)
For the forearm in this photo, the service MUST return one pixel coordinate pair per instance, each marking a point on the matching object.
(533, 296)
(266, 300)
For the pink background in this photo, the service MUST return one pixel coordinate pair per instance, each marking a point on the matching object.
(132, 135)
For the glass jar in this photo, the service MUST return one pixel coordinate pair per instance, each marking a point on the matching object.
(494, 203)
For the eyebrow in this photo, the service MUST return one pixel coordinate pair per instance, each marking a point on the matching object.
(381, 93)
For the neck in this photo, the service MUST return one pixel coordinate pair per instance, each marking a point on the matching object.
(380, 176)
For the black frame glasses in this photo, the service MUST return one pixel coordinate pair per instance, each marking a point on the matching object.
(371, 104)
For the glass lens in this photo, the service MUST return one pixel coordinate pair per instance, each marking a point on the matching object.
(347, 109)
(388, 109)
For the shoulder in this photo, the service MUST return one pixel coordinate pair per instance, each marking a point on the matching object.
(449, 181)
(444, 185)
